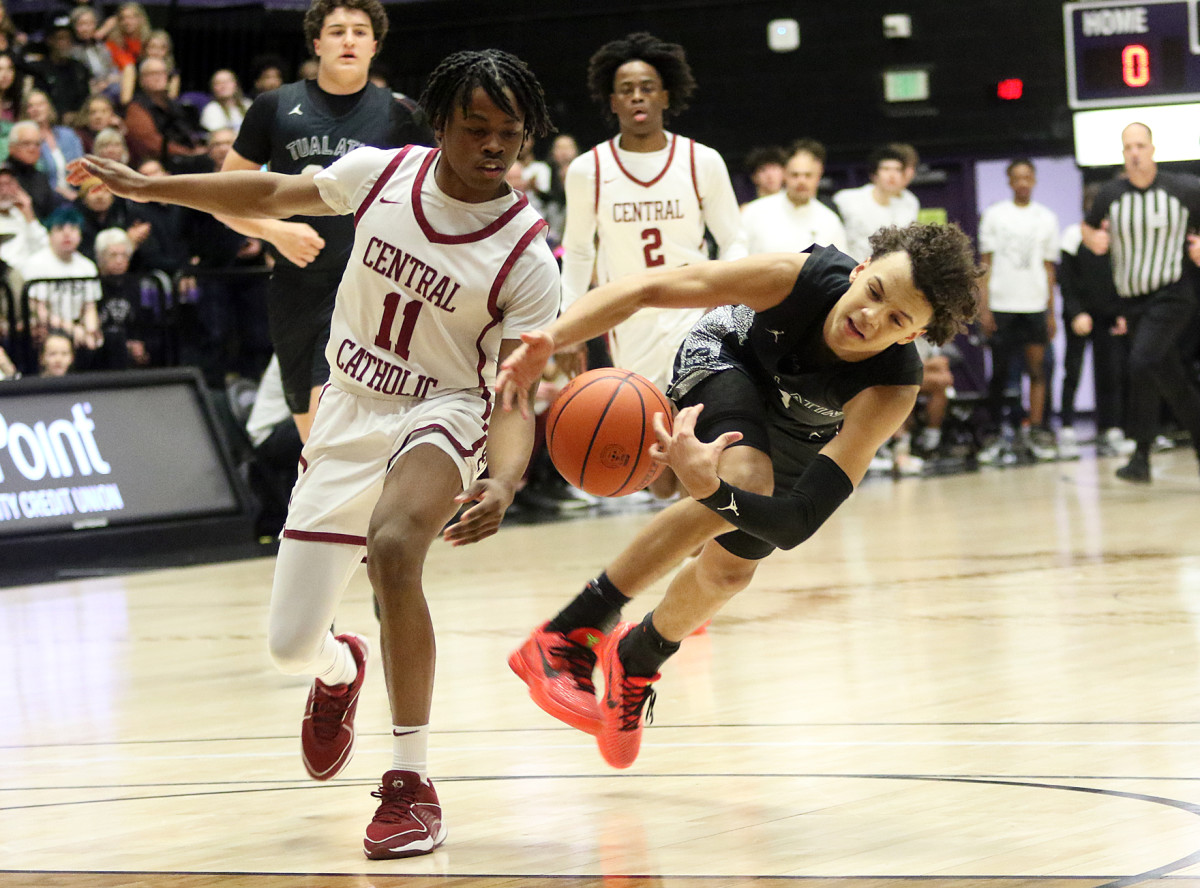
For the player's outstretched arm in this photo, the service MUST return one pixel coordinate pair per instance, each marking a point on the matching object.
(761, 282)
(298, 242)
(243, 192)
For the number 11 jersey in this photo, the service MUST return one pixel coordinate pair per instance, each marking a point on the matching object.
(433, 284)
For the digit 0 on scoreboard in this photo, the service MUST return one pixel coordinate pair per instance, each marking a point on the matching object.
(1121, 53)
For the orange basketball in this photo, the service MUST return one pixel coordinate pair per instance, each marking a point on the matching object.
(600, 428)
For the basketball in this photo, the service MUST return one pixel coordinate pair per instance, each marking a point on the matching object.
(600, 428)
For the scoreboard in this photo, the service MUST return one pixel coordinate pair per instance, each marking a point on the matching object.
(1121, 54)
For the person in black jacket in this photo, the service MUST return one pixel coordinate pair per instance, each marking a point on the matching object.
(1091, 307)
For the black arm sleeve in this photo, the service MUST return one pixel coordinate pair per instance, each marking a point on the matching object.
(785, 522)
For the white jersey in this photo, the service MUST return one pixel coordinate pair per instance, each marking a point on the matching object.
(1021, 240)
(433, 284)
(863, 216)
(773, 224)
(646, 210)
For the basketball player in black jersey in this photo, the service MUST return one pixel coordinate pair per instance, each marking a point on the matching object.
(802, 368)
(310, 124)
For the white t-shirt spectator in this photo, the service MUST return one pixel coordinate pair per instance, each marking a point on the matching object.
(863, 216)
(66, 287)
(1021, 240)
(773, 224)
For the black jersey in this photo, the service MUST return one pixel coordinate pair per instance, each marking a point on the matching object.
(299, 126)
(781, 349)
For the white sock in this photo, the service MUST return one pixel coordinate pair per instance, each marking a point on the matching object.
(343, 669)
(410, 749)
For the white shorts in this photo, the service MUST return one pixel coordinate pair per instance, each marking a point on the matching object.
(354, 443)
(647, 342)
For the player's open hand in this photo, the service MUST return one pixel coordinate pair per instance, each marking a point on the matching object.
(120, 179)
(522, 369)
(492, 498)
(298, 242)
(693, 461)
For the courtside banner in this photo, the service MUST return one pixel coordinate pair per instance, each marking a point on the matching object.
(106, 449)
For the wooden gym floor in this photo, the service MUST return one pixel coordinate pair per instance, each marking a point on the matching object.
(984, 679)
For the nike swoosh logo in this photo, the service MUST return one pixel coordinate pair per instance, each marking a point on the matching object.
(386, 201)
(546, 667)
(608, 699)
(396, 733)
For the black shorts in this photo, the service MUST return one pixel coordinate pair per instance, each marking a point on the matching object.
(1017, 329)
(299, 308)
(734, 402)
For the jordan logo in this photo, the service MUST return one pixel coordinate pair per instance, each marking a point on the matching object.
(296, 111)
(732, 507)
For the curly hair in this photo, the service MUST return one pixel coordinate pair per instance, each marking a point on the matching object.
(498, 73)
(943, 269)
(668, 59)
(314, 18)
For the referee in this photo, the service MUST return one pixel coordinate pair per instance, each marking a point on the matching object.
(1149, 220)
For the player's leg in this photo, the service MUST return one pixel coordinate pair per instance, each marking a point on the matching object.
(417, 501)
(631, 655)
(310, 578)
(558, 659)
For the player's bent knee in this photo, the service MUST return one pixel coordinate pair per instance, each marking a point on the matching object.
(293, 654)
(749, 469)
(724, 573)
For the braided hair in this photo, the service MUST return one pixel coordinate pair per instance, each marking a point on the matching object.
(668, 59)
(495, 71)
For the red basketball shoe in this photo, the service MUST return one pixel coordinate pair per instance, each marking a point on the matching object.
(408, 820)
(625, 696)
(558, 669)
(327, 733)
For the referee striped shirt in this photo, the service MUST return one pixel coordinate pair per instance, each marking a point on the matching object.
(1148, 230)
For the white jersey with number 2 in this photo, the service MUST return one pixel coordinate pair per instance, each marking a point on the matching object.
(630, 212)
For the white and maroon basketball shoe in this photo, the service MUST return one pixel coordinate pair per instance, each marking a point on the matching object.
(327, 733)
(408, 820)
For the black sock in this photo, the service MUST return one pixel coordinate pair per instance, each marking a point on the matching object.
(643, 650)
(598, 606)
(1142, 454)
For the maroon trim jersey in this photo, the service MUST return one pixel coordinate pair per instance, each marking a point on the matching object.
(433, 284)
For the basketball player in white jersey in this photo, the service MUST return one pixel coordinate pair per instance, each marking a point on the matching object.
(448, 267)
(643, 199)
